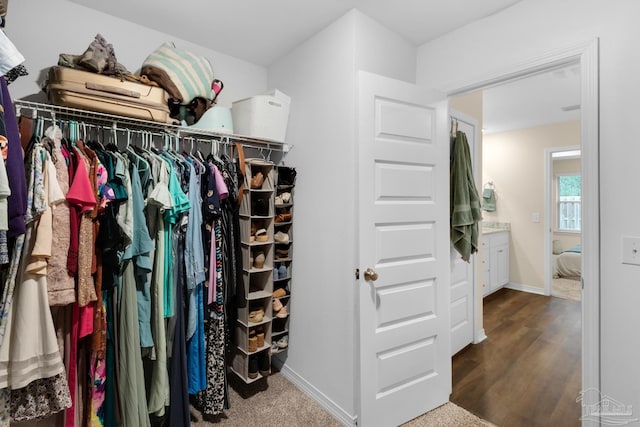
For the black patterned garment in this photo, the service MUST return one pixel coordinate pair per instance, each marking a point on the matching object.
(211, 401)
(13, 74)
(40, 399)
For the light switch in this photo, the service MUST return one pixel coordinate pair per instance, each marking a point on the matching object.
(535, 217)
(631, 250)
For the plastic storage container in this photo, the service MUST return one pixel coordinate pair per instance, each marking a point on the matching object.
(262, 116)
(215, 119)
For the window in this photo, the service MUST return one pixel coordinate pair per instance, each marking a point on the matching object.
(569, 192)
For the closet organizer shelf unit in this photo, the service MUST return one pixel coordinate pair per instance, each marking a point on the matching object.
(284, 239)
(258, 252)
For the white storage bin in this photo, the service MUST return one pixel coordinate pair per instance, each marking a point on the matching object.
(262, 116)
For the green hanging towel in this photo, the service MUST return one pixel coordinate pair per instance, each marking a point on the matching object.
(488, 200)
(465, 210)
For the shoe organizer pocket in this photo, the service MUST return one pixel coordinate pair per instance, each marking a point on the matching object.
(261, 205)
(259, 176)
(247, 338)
(255, 312)
(283, 252)
(284, 198)
(283, 215)
(256, 258)
(257, 285)
(257, 203)
(281, 273)
(279, 326)
(252, 231)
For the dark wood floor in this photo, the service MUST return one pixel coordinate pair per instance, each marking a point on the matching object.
(527, 371)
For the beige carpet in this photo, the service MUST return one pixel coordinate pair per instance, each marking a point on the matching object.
(566, 288)
(448, 415)
(278, 402)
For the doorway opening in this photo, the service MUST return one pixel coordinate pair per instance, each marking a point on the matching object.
(563, 222)
(585, 58)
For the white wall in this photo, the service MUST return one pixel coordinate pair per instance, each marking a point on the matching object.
(320, 77)
(42, 29)
(514, 162)
(381, 51)
(528, 30)
(316, 76)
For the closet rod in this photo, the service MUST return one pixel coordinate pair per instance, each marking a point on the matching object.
(122, 123)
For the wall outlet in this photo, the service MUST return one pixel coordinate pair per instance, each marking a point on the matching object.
(631, 250)
(535, 217)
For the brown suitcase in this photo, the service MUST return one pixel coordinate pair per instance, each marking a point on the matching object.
(84, 90)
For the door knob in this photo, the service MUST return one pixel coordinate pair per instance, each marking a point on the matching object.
(370, 275)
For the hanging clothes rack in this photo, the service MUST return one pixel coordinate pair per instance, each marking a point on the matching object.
(124, 124)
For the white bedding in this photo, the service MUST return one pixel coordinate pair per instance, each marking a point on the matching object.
(567, 264)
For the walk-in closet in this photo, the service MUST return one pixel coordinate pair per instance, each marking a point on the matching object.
(143, 263)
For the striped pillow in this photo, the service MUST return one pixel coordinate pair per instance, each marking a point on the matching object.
(192, 74)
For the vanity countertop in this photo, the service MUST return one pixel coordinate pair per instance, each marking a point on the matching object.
(494, 227)
(489, 230)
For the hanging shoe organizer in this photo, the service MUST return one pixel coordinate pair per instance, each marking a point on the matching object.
(253, 328)
(283, 238)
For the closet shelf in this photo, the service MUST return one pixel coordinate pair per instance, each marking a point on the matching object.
(123, 123)
(256, 295)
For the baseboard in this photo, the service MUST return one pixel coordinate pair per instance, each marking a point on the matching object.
(525, 288)
(480, 336)
(334, 409)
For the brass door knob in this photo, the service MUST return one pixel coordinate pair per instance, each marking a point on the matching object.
(370, 275)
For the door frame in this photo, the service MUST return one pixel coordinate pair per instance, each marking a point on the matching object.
(477, 313)
(549, 205)
(587, 55)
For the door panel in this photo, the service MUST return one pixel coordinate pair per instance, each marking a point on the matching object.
(403, 170)
(461, 307)
(404, 242)
(402, 120)
(405, 303)
(398, 181)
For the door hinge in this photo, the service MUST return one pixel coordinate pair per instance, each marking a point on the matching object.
(357, 273)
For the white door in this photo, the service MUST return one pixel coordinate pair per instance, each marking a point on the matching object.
(405, 349)
(463, 273)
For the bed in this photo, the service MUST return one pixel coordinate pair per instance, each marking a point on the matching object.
(568, 263)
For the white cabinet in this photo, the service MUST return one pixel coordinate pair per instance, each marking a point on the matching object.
(495, 261)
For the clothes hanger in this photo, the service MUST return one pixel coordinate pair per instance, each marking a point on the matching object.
(454, 127)
(198, 153)
(216, 156)
(149, 143)
(114, 135)
(110, 140)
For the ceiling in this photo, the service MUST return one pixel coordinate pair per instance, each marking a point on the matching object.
(550, 97)
(261, 32)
